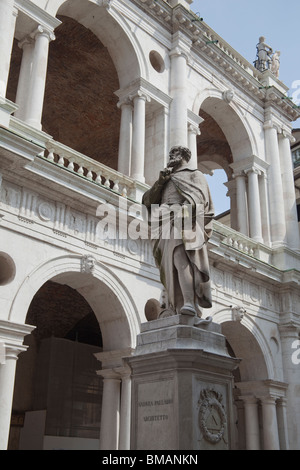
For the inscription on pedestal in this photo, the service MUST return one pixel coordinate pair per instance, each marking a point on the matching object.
(155, 418)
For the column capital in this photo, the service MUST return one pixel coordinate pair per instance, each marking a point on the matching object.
(139, 94)
(269, 125)
(28, 40)
(42, 31)
(109, 374)
(126, 101)
(239, 173)
(249, 399)
(290, 329)
(268, 399)
(193, 129)
(177, 51)
(252, 169)
(285, 134)
(12, 337)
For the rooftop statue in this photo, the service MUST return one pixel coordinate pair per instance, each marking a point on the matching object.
(264, 53)
(275, 64)
(181, 255)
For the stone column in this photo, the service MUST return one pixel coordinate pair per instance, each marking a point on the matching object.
(282, 424)
(251, 422)
(265, 214)
(138, 139)
(270, 426)
(27, 45)
(178, 92)
(125, 143)
(277, 213)
(11, 335)
(110, 416)
(125, 416)
(231, 193)
(8, 16)
(289, 336)
(36, 89)
(193, 131)
(254, 205)
(242, 206)
(289, 197)
(7, 382)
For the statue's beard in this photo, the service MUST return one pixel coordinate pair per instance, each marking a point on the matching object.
(175, 162)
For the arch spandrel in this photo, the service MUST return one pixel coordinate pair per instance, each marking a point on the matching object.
(111, 29)
(110, 300)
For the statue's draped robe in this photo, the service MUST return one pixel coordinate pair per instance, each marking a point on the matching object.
(190, 188)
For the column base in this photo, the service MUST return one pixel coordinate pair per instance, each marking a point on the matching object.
(182, 386)
(139, 178)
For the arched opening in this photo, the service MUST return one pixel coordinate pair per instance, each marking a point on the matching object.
(90, 59)
(57, 397)
(116, 315)
(80, 107)
(249, 379)
(245, 346)
(223, 141)
(214, 158)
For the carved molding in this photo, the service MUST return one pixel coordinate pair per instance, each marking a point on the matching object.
(212, 409)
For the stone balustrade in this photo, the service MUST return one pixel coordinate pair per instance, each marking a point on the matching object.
(90, 169)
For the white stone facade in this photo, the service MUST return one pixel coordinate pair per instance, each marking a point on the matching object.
(171, 68)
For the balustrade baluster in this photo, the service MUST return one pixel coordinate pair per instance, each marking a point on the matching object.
(89, 175)
(106, 182)
(61, 160)
(80, 170)
(71, 165)
(99, 177)
(116, 186)
(50, 156)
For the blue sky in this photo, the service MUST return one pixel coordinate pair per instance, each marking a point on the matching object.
(241, 23)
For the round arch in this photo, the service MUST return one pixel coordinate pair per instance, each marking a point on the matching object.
(110, 300)
(231, 120)
(112, 30)
(248, 344)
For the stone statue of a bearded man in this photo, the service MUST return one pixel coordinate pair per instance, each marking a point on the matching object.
(183, 260)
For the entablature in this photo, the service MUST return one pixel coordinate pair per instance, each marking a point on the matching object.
(30, 16)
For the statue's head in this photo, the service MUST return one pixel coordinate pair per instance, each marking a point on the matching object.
(184, 152)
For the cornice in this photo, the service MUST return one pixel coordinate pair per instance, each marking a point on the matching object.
(282, 103)
(157, 9)
(207, 44)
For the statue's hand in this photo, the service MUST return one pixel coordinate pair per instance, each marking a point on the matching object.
(164, 176)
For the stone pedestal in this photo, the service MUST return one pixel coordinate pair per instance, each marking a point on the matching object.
(182, 386)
